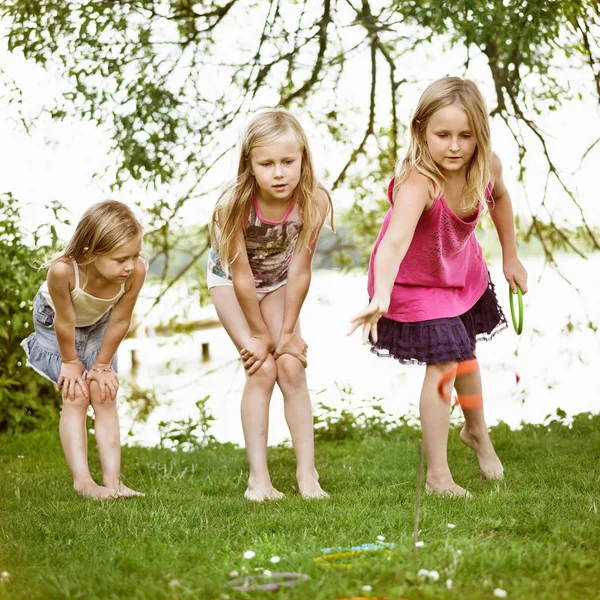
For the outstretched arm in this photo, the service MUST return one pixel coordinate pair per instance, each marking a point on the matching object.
(117, 328)
(296, 289)
(501, 212)
(410, 202)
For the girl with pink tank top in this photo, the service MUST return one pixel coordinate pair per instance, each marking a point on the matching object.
(431, 295)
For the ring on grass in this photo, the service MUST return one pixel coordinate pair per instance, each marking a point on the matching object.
(518, 326)
(377, 546)
(366, 598)
(281, 580)
(339, 559)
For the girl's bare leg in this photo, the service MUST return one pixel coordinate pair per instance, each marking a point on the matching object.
(291, 378)
(435, 422)
(256, 397)
(108, 438)
(73, 438)
(475, 433)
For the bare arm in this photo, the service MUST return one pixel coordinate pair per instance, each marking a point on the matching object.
(501, 212)
(410, 202)
(260, 344)
(297, 286)
(120, 316)
(60, 281)
(116, 330)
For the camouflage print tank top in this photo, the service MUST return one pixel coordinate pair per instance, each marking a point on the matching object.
(269, 244)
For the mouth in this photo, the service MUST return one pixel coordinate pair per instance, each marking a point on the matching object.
(453, 157)
(280, 186)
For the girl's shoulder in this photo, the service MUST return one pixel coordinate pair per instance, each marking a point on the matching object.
(137, 278)
(496, 165)
(323, 199)
(62, 272)
(417, 185)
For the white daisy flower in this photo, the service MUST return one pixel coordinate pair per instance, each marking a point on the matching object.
(275, 559)
(366, 588)
(419, 544)
(249, 554)
(500, 593)
(451, 525)
(449, 584)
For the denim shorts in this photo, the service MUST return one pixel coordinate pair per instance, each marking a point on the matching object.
(41, 347)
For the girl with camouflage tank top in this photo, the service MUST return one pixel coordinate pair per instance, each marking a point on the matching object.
(264, 231)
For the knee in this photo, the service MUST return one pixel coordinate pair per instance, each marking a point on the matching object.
(266, 375)
(96, 398)
(290, 370)
(80, 401)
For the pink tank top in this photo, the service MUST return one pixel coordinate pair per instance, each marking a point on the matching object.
(443, 273)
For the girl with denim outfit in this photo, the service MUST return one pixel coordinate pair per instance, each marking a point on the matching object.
(81, 314)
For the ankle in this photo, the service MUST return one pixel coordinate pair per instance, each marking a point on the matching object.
(112, 481)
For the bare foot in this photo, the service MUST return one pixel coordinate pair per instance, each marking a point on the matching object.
(90, 489)
(489, 463)
(447, 489)
(260, 493)
(310, 488)
(125, 492)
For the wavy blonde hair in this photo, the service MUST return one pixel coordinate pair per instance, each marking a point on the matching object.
(232, 208)
(441, 93)
(103, 227)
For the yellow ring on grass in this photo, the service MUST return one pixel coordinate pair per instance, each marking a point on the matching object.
(327, 560)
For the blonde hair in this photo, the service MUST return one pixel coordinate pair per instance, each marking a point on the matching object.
(232, 208)
(441, 93)
(102, 228)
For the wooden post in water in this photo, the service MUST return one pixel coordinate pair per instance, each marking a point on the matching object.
(135, 363)
(205, 352)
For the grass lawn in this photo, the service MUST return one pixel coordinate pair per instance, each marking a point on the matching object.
(534, 535)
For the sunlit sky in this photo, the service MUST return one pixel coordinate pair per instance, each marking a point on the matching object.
(58, 160)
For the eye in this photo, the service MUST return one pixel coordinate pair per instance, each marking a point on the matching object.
(265, 164)
(466, 136)
(289, 162)
(442, 135)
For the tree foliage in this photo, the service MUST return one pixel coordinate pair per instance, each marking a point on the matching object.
(25, 398)
(173, 80)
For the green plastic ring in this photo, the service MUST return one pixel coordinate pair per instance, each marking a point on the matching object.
(518, 326)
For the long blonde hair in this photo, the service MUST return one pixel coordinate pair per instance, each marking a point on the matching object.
(103, 227)
(441, 93)
(232, 208)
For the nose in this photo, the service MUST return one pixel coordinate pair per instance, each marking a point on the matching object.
(277, 170)
(454, 145)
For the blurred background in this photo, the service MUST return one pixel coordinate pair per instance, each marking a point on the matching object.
(143, 101)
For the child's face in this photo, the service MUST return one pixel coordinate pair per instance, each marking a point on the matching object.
(277, 167)
(450, 139)
(118, 264)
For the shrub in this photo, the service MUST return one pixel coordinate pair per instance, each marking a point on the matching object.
(26, 399)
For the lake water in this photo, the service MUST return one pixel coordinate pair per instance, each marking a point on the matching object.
(558, 368)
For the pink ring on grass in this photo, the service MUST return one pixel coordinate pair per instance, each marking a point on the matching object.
(291, 579)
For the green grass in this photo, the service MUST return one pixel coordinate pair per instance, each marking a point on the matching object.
(535, 535)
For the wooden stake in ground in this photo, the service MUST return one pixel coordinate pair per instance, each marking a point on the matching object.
(418, 506)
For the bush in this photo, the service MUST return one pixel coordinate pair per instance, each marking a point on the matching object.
(26, 399)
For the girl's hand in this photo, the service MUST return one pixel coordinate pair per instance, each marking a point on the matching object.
(71, 375)
(515, 274)
(368, 318)
(107, 379)
(290, 343)
(256, 351)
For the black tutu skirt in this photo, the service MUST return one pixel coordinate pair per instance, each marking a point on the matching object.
(441, 340)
